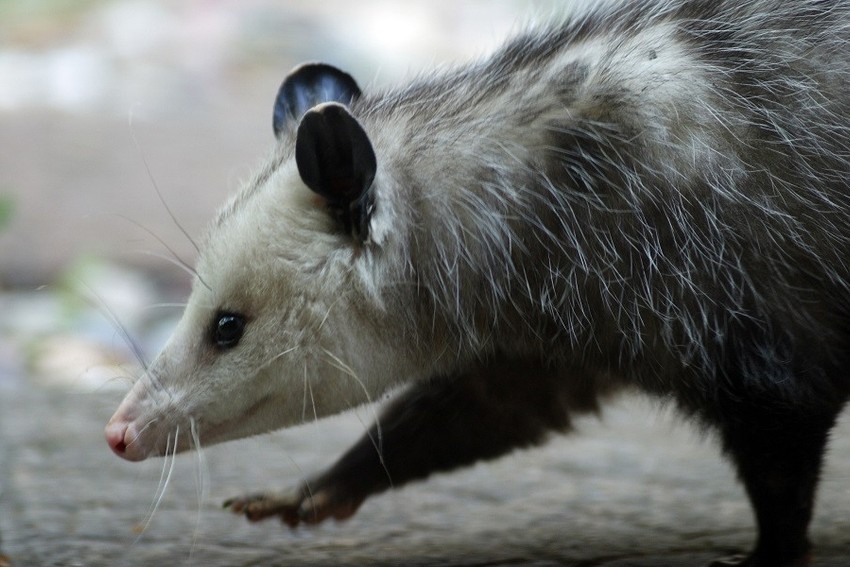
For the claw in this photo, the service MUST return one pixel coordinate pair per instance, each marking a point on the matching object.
(296, 507)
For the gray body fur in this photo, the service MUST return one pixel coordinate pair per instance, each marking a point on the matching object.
(635, 207)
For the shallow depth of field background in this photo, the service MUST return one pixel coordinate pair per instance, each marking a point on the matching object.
(95, 93)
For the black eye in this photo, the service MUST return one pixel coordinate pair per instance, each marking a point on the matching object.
(227, 329)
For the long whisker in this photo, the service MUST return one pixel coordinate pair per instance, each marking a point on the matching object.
(142, 430)
(304, 397)
(176, 262)
(328, 312)
(379, 442)
(116, 323)
(337, 363)
(278, 355)
(201, 484)
(134, 346)
(175, 257)
(156, 186)
(118, 378)
(301, 474)
(161, 478)
(163, 486)
(308, 387)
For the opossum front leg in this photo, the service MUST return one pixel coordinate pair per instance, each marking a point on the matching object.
(437, 425)
(778, 456)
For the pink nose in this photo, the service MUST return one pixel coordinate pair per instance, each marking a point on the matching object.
(116, 432)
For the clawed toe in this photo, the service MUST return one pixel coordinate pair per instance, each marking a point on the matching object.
(259, 507)
(294, 508)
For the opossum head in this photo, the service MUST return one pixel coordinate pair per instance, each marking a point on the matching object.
(285, 321)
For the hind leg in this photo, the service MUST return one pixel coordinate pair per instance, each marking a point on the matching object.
(438, 425)
(778, 456)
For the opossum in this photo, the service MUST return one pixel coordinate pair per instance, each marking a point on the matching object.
(648, 195)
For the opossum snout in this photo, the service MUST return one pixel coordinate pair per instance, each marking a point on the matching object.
(124, 433)
(120, 436)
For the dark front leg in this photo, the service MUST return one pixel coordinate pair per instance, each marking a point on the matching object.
(778, 457)
(438, 425)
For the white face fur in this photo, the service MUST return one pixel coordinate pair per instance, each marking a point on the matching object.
(314, 342)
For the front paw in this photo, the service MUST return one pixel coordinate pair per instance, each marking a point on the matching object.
(260, 506)
(301, 506)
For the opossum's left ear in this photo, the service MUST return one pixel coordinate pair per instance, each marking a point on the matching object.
(306, 86)
(336, 160)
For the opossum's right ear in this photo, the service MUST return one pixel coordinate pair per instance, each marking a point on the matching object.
(336, 160)
(309, 85)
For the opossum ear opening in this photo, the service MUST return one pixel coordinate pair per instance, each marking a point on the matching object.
(306, 86)
(336, 160)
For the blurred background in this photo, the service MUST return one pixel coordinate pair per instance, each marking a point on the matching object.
(102, 102)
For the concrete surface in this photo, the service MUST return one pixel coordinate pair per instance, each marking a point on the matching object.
(637, 489)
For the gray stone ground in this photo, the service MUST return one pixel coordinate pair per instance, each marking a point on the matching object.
(638, 488)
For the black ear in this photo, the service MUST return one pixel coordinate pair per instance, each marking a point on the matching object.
(308, 85)
(336, 160)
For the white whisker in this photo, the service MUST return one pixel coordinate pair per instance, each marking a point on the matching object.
(142, 430)
(176, 261)
(313, 402)
(201, 480)
(379, 442)
(156, 188)
(164, 481)
(110, 315)
(328, 312)
(277, 356)
(119, 378)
